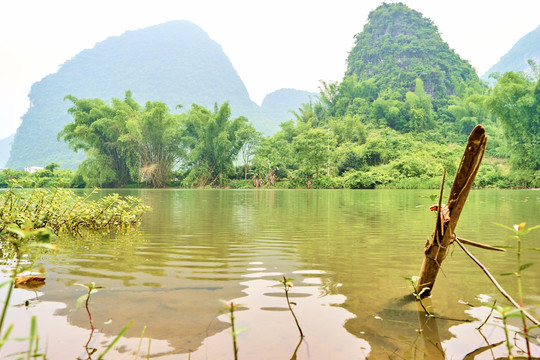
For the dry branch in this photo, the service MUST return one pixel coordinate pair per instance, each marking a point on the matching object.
(479, 245)
(497, 285)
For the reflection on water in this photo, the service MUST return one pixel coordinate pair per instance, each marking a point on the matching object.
(347, 251)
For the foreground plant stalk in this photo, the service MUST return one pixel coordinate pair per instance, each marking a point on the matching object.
(287, 284)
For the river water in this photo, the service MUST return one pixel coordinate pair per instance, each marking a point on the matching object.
(347, 251)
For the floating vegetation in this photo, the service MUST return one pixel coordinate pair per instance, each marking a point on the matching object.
(61, 211)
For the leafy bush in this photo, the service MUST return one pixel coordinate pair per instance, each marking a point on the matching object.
(327, 182)
(60, 210)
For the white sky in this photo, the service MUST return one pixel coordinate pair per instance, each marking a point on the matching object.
(272, 44)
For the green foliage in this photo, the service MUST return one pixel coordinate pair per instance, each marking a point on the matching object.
(92, 288)
(98, 129)
(213, 140)
(273, 153)
(40, 178)
(515, 102)
(398, 45)
(348, 129)
(250, 138)
(313, 149)
(60, 210)
(175, 62)
(418, 107)
(156, 137)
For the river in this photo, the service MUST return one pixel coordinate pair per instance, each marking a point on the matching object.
(347, 251)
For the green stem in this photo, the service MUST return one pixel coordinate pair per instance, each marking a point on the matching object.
(508, 343)
(88, 309)
(292, 312)
(8, 297)
(520, 296)
(235, 347)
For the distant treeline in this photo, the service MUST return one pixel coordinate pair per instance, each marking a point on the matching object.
(130, 145)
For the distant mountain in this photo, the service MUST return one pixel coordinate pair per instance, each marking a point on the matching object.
(398, 45)
(175, 62)
(5, 147)
(277, 105)
(527, 48)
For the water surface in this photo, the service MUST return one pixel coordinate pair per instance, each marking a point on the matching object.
(348, 252)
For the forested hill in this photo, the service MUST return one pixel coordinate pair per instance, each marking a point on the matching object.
(398, 45)
(175, 63)
(527, 48)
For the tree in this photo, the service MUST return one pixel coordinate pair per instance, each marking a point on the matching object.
(250, 138)
(97, 128)
(419, 108)
(273, 154)
(348, 129)
(123, 141)
(313, 149)
(309, 114)
(515, 102)
(51, 167)
(213, 142)
(156, 137)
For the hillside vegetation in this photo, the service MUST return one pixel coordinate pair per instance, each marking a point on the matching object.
(401, 114)
(175, 63)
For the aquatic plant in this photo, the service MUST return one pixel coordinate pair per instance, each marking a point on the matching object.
(19, 240)
(60, 210)
(413, 280)
(287, 284)
(229, 307)
(518, 309)
(92, 289)
(519, 231)
(29, 218)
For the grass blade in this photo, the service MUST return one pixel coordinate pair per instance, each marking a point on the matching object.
(118, 337)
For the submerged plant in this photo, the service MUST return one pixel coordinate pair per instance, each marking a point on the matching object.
(287, 284)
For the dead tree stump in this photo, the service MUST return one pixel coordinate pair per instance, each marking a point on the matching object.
(437, 247)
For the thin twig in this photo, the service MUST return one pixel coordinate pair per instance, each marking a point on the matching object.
(480, 245)
(491, 312)
(497, 285)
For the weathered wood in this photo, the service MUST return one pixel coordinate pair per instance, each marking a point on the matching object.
(437, 247)
(479, 245)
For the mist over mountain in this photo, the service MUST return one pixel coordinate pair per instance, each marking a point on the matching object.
(175, 62)
(516, 59)
(280, 103)
(5, 147)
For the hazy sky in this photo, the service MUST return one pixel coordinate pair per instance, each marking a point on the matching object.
(272, 44)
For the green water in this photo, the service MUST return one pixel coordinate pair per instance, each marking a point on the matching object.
(347, 251)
